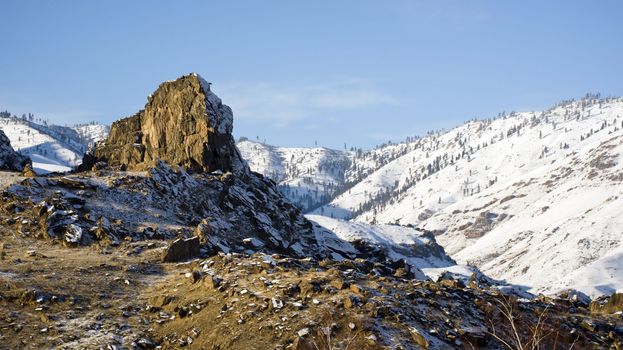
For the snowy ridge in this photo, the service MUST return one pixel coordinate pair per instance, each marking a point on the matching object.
(562, 219)
(308, 177)
(51, 147)
(532, 198)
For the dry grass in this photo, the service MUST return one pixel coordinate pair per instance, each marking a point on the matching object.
(515, 332)
(345, 335)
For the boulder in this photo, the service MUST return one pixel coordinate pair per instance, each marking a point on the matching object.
(351, 301)
(608, 305)
(339, 283)
(419, 339)
(160, 300)
(300, 343)
(182, 249)
(104, 232)
(28, 171)
(183, 124)
(212, 282)
(475, 335)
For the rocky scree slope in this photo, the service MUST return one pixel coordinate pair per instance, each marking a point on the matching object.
(239, 301)
(125, 297)
(9, 159)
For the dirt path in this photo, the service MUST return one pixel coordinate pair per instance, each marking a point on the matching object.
(53, 297)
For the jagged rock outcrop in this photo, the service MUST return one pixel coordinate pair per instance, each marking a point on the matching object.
(9, 159)
(188, 180)
(183, 124)
(227, 212)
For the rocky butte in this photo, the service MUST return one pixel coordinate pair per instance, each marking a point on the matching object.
(183, 124)
(172, 171)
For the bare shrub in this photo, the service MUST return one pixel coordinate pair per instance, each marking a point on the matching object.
(517, 332)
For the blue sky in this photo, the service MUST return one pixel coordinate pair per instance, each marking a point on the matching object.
(335, 72)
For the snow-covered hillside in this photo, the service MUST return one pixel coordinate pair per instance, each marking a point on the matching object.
(549, 228)
(51, 147)
(9, 159)
(532, 197)
(419, 249)
(309, 177)
(89, 134)
(528, 197)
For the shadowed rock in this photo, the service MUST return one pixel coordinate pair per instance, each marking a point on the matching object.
(9, 159)
(182, 249)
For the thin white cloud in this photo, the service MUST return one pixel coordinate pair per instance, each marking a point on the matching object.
(352, 94)
(282, 105)
(60, 116)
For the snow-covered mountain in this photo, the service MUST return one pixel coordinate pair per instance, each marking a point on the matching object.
(527, 197)
(51, 147)
(533, 197)
(308, 177)
(312, 177)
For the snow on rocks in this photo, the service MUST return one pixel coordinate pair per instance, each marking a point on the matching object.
(118, 205)
(418, 249)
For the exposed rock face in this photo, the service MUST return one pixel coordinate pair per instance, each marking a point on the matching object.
(9, 159)
(183, 124)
